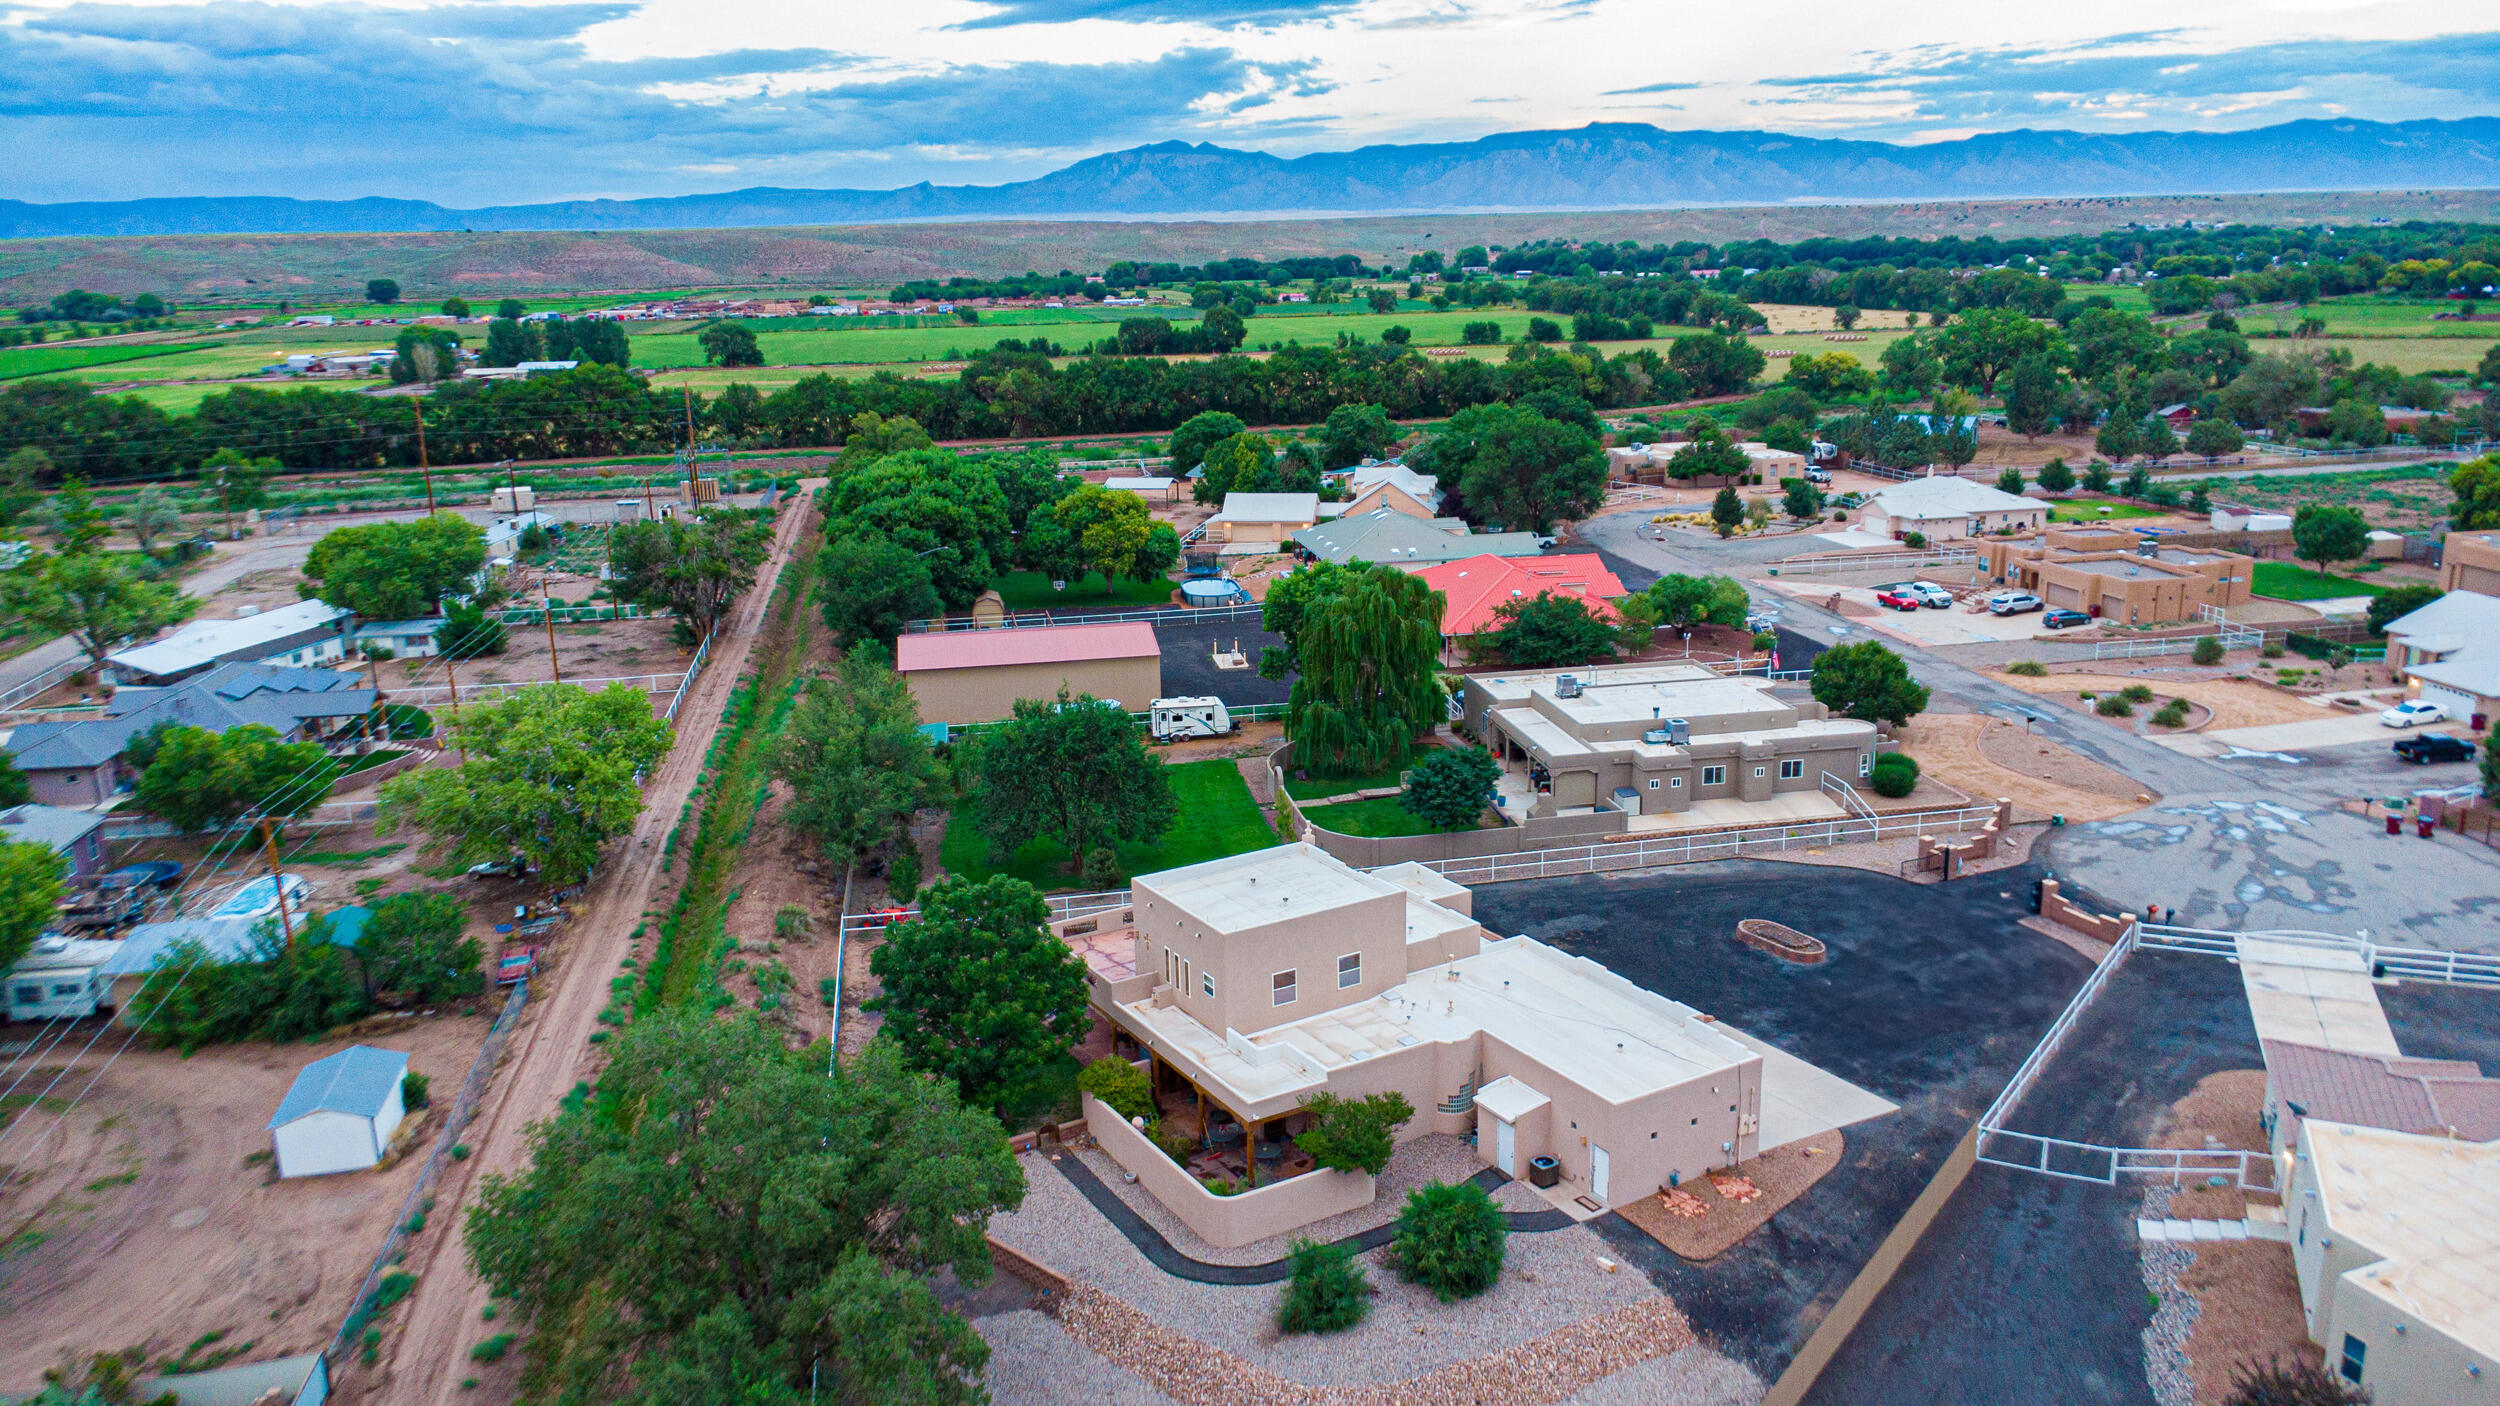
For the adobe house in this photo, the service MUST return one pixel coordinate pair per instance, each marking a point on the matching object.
(2121, 576)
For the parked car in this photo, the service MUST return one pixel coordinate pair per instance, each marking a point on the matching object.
(1931, 595)
(512, 868)
(1899, 598)
(2064, 619)
(883, 917)
(2422, 749)
(2014, 603)
(1819, 476)
(2413, 712)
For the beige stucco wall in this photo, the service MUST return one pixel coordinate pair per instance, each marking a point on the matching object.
(1947, 529)
(980, 695)
(1686, 1129)
(1245, 961)
(1390, 496)
(74, 788)
(1275, 532)
(2470, 562)
(1226, 1221)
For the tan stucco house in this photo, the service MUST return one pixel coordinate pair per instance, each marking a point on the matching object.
(2119, 576)
(1950, 507)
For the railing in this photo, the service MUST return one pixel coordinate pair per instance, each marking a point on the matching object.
(1562, 861)
(1992, 1122)
(43, 681)
(1063, 906)
(1848, 796)
(455, 1120)
(1032, 619)
(1895, 561)
(2408, 963)
(477, 692)
(1761, 669)
(577, 614)
(694, 670)
(1243, 713)
(2138, 649)
(2092, 1162)
(1141, 465)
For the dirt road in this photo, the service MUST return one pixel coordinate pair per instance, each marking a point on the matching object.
(551, 1051)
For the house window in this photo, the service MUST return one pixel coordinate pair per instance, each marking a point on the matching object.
(1675, 783)
(1793, 769)
(1206, 983)
(1761, 771)
(1866, 765)
(1284, 988)
(2354, 1351)
(70, 988)
(1349, 970)
(1653, 783)
(29, 995)
(1714, 776)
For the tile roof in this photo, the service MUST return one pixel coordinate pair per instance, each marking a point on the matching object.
(357, 1080)
(2380, 1091)
(1046, 644)
(1477, 586)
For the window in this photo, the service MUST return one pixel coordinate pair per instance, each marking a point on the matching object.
(2354, 1351)
(1866, 765)
(1714, 776)
(1793, 769)
(1349, 970)
(1675, 783)
(1761, 771)
(29, 995)
(1206, 983)
(70, 988)
(1284, 988)
(1653, 783)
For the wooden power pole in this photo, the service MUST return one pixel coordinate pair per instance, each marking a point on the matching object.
(269, 848)
(424, 467)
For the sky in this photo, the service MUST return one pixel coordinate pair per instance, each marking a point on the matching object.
(481, 103)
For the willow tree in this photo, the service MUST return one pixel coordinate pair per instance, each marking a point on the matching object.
(1367, 653)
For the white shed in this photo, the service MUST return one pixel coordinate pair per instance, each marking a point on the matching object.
(341, 1112)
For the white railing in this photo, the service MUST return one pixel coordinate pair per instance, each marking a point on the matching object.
(1063, 906)
(576, 614)
(1992, 1122)
(1031, 619)
(694, 670)
(479, 692)
(1850, 801)
(2408, 963)
(1689, 848)
(42, 681)
(1891, 561)
(2138, 649)
(2092, 1162)
(1140, 465)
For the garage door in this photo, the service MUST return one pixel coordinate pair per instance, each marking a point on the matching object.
(2067, 597)
(2461, 705)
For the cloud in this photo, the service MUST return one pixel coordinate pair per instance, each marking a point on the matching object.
(1222, 14)
(1648, 88)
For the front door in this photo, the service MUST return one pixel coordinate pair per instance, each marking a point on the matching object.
(1505, 1148)
(1597, 1172)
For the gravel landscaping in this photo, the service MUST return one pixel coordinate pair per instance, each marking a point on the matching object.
(1435, 1157)
(2174, 1311)
(1550, 1281)
(1695, 1376)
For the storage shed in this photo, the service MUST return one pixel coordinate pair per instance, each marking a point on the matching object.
(976, 676)
(341, 1112)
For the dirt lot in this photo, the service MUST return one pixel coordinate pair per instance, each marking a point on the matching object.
(1989, 756)
(2233, 702)
(605, 650)
(140, 1219)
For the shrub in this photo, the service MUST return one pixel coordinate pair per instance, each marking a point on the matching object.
(1120, 1084)
(2272, 651)
(413, 1090)
(460, 1152)
(491, 1350)
(2114, 706)
(1894, 775)
(1449, 1240)
(902, 873)
(2208, 651)
(1449, 786)
(2300, 1384)
(2137, 693)
(1102, 867)
(1914, 540)
(1354, 1134)
(1329, 1292)
(2172, 714)
(2028, 668)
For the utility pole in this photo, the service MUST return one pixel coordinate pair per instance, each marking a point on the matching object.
(269, 848)
(548, 602)
(416, 404)
(454, 676)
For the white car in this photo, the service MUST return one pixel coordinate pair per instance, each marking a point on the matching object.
(2014, 603)
(1931, 595)
(2413, 712)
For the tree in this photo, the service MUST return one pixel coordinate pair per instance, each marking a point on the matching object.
(1981, 344)
(468, 632)
(237, 484)
(1713, 363)
(2010, 480)
(979, 991)
(697, 569)
(77, 525)
(2055, 477)
(1801, 500)
(1522, 469)
(551, 775)
(1726, 511)
(720, 1221)
(510, 309)
(2139, 482)
(1368, 652)
(2096, 477)
(2212, 439)
(272, 989)
(1911, 366)
(1113, 532)
(1354, 433)
(2036, 396)
(2328, 532)
(424, 355)
(30, 886)
(1074, 770)
(508, 343)
(1450, 1240)
(1244, 463)
(202, 780)
(1709, 454)
(730, 344)
(948, 508)
(1354, 1134)
(382, 290)
(1686, 601)
(2354, 420)
(871, 437)
(152, 517)
(1831, 376)
(1846, 315)
(396, 570)
(455, 306)
(1448, 787)
(21, 475)
(14, 788)
(1868, 682)
(94, 600)
(2300, 1384)
(1189, 443)
(1221, 329)
(1545, 629)
(1329, 1292)
(2117, 438)
(2476, 486)
(416, 944)
(2155, 440)
(871, 588)
(856, 761)
(1122, 1087)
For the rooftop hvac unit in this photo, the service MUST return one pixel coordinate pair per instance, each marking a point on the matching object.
(1567, 686)
(1679, 731)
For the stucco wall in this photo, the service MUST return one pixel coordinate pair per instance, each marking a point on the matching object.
(73, 788)
(1225, 1221)
(2470, 562)
(987, 695)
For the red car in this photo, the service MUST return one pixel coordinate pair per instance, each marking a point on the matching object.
(882, 917)
(1902, 599)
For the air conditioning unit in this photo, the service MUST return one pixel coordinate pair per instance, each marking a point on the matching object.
(1567, 686)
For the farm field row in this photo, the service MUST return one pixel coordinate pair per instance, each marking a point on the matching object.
(17, 362)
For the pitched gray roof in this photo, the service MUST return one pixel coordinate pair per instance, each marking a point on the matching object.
(357, 1080)
(230, 695)
(47, 825)
(1385, 535)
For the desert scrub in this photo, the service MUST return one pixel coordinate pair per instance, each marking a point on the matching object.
(2028, 668)
(2114, 706)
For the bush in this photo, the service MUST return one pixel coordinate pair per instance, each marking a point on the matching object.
(1120, 1084)
(2172, 714)
(2137, 693)
(2028, 668)
(1449, 786)
(1449, 1240)
(2114, 706)
(1894, 775)
(2208, 651)
(413, 1090)
(1329, 1293)
(1914, 540)
(2272, 651)
(460, 1152)
(902, 873)
(2300, 1384)
(493, 1349)
(1102, 867)
(1354, 1134)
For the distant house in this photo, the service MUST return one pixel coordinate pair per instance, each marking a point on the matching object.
(1951, 507)
(1394, 486)
(340, 1113)
(79, 765)
(1388, 535)
(406, 639)
(1155, 486)
(2449, 650)
(1264, 519)
(1478, 586)
(2178, 416)
(71, 834)
(307, 632)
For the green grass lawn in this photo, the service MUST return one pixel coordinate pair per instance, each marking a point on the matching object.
(1385, 818)
(1321, 786)
(2283, 580)
(54, 360)
(2089, 510)
(1217, 818)
(1030, 590)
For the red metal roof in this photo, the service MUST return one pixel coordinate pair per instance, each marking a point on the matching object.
(1040, 644)
(1477, 586)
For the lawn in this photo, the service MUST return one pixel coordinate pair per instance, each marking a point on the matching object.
(1322, 786)
(1217, 818)
(54, 360)
(2283, 580)
(1030, 590)
(2089, 510)
(1384, 818)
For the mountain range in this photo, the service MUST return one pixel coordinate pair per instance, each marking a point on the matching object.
(1598, 167)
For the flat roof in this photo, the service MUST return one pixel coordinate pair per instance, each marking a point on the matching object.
(2127, 568)
(1243, 891)
(2430, 1206)
(2316, 996)
(1040, 644)
(209, 641)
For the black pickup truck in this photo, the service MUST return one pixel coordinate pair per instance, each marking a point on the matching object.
(2424, 748)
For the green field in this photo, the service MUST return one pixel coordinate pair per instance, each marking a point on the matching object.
(1217, 818)
(1030, 590)
(1383, 818)
(2283, 580)
(53, 360)
(2089, 510)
